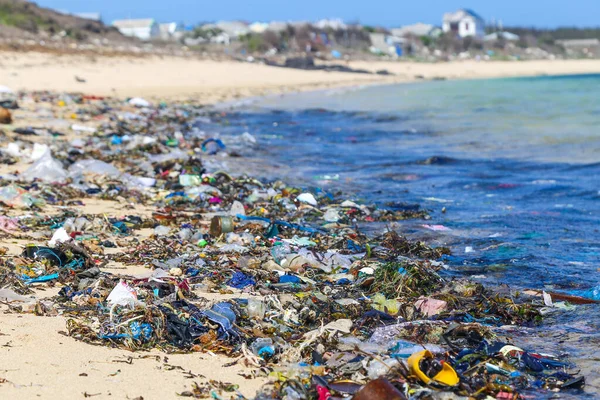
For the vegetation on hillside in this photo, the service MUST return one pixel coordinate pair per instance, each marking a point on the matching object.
(32, 19)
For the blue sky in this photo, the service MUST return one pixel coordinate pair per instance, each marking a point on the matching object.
(540, 13)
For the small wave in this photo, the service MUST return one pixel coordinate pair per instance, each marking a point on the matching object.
(439, 160)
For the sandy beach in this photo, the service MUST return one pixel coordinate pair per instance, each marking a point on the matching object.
(39, 361)
(213, 81)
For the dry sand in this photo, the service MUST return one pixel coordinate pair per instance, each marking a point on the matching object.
(36, 360)
(40, 362)
(482, 69)
(212, 81)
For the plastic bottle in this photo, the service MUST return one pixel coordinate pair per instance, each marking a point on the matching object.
(237, 208)
(279, 251)
(263, 347)
(256, 308)
(161, 230)
(185, 234)
(377, 368)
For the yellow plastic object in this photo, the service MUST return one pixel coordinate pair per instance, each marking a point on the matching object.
(380, 303)
(446, 376)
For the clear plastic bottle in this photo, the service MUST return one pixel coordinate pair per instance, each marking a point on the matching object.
(256, 308)
(279, 251)
(263, 347)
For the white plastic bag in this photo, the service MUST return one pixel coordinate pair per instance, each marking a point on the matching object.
(59, 236)
(46, 169)
(122, 295)
(307, 198)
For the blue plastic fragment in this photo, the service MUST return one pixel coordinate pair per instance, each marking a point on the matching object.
(175, 194)
(120, 227)
(289, 279)
(213, 149)
(141, 331)
(223, 315)
(282, 223)
(44, 278)
(239, 280)
(266, 351)
(352, 245)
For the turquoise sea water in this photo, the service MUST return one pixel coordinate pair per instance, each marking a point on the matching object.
(541, 119)
(515, 163)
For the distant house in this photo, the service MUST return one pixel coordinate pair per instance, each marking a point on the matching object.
(464, 23)
(144, 29)
(171, 31)
(224, 32)
(382, 43)
(92, 16)
(334, 23)
(258, 27)
(418, 30)
(234, 29)
(507, 36)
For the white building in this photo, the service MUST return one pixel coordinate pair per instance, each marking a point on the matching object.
(234, 29)
(258, 27)
(464, 23)
(144, 29)
(171, 31)
(226, 32)
(333, 23)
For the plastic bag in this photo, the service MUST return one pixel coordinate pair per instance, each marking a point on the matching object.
(10, 295)
(162, 230)
(46, 169)
(233, 248)
(307, 198)
(139, 102)
(331, 215)
(60, 235)
(15, 196)
(122, 295)
(91, 166)
(38, 151)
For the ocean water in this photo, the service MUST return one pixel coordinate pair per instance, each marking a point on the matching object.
(514, 162)
(510, 167)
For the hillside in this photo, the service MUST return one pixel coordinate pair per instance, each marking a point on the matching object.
(23, 19)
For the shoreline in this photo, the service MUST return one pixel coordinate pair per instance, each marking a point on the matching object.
(108, 367)
(209, 82)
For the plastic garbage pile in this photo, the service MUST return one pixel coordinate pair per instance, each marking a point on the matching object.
(319, 307)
